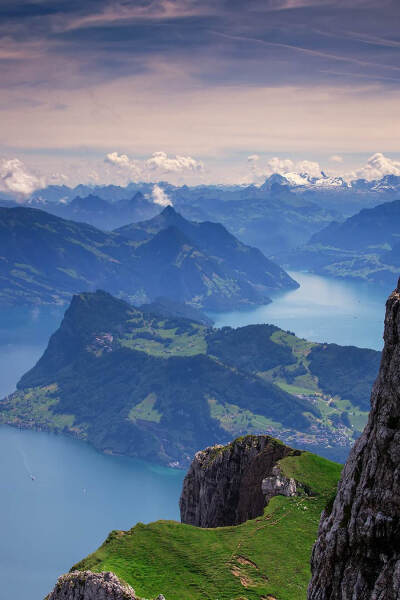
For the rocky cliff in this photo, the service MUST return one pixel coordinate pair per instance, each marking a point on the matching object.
(85, 585)
(227, 485)
(357, 553)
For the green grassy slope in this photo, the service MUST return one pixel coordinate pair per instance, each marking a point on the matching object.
(267, 557)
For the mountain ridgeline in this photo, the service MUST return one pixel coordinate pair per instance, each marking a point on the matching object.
(46, 259)
(281, 214)
(159, 387)
(100, 212)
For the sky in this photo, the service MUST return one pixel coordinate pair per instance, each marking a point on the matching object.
(186, 91)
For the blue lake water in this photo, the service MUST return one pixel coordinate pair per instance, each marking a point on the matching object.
(321, 310)
(79, 495)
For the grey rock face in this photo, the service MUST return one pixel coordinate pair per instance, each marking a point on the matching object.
(278, 485)
(85, 585)
(357, 553)
(227, 485)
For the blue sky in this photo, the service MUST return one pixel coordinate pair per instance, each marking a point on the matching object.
(214, 81)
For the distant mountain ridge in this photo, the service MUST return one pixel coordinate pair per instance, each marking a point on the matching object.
(45, 259)
(234, 257)
(365, 247)
(281, 214)
(99, 211)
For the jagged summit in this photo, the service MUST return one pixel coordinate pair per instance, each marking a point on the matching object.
(215, 242)
(169, 210)
(357, 554)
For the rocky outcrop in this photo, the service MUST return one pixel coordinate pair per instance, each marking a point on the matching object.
(85, 585)
(357, 553)
(277, 484)
(227, 485)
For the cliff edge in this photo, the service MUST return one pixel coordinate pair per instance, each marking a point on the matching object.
(357, 553)
(227, 485)
(85, 585)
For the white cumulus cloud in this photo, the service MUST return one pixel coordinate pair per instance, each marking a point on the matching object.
(156, 166)
(159, 196)
(295, 171)
(377, 166)
(162, 162)
(120, 160)
(124, 163)
(16, 179)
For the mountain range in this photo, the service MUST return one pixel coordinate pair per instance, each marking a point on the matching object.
(101, 213)
(365, 247)
(133, 382)
(282, 213)
(45, 259)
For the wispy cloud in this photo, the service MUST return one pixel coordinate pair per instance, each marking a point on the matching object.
(122, 12)
(308, 51)
(198, 79)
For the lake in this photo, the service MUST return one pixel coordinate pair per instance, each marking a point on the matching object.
(79, 495)
(321, 310)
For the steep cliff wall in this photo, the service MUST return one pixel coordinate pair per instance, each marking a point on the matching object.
(357, 553)
(227, 485)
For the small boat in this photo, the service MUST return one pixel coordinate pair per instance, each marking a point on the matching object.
(33, 477)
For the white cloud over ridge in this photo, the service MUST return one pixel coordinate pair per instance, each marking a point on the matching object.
(297, 172)
(377, 166)
(303, 172)
(17, 180)
(161, 161)
(158, 165)
(160, 197)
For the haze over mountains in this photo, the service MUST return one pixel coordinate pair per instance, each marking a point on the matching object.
(365, 247)
(282, 213)
(45, 259)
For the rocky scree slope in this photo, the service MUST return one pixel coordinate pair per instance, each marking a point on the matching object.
(357, 553)
(227, 485)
